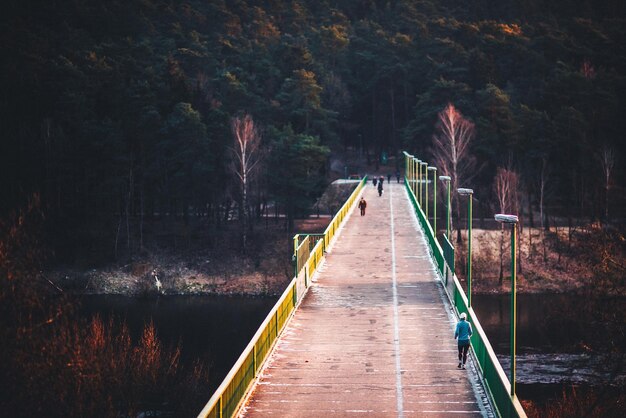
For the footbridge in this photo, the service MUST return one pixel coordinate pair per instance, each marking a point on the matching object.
(366, 326)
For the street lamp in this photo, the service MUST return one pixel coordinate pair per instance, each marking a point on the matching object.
(434, 171)
(418, 181)
(468, 192)
(406, 165)
(415, 177)
(512, 220)
(447, 180)
(412, 178)
(426, 190)
(418, 164)
(423, 189)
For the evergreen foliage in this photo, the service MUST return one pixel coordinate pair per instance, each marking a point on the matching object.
(118, 111)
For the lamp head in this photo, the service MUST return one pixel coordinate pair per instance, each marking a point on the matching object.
(506, 219)
(445, 178)
(431, 168)
(465, 192)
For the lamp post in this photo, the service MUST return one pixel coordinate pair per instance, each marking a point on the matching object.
(447, 180)
(409, 163)
(413, 174)
(434, 171)
(422, 192)
(418, 188)
(407, 166)
(418, 184)
(426, 189)
(407, 173)
(469, 193)
(512, 220)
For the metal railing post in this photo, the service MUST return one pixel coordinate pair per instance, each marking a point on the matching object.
(513, 306)
(426, 190)
(449, 212)
(295, 255)
(435, 200)
(469, 253)
(254, 359)
(418, 189)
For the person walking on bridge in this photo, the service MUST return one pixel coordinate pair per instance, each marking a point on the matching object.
(362, 206)
(380, 188)
(463, 332)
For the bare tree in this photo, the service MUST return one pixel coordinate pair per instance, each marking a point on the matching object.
(247, 156)
(505, 188)
(607, 161)
(451, 149)
(543, 180)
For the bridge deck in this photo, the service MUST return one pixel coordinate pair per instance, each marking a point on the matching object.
(372, 335)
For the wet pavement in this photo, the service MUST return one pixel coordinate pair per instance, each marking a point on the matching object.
(373, 335)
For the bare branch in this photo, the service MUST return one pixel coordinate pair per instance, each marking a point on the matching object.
(450, 148)
(246, 157)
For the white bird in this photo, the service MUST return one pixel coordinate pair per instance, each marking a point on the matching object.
(157, 282)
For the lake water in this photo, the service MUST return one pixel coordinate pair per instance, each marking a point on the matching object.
(212, 328)
(562, 341)
(560, 337)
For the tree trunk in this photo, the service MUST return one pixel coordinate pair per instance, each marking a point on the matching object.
(393, 123)
(530, 243)
(141, 215)
(531, 218)
(244, 211)
(501, 275)
(117, 235)
(128, 201)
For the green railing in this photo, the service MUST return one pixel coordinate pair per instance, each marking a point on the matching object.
(308, 254)
(448, 253)
(497, 384)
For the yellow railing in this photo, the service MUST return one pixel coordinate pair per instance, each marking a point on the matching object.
(228, 398)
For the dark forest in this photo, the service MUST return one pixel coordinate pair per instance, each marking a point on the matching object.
(117, 122)
(119, 112)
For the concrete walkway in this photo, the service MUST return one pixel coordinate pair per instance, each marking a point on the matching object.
(372, 336)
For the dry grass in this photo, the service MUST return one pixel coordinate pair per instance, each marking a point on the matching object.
(548, 261)
(581, 403)
(265, 269)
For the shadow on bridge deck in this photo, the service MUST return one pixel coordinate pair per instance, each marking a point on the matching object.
(372, 335)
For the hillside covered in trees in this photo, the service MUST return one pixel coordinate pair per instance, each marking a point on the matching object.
(118, 123)
(118, 113)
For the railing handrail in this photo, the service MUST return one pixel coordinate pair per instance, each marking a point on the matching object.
(214, 406)
(220, 390)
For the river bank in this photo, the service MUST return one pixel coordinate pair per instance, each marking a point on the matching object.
(224, 268)
(264, 270)
(560, 260)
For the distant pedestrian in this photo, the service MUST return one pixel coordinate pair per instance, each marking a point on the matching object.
(388, 178)
(374, 180)
(362, 206)
(398, 176)
(380, 188)
(463, 333)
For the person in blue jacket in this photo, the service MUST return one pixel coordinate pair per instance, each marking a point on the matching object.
(463, 333)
